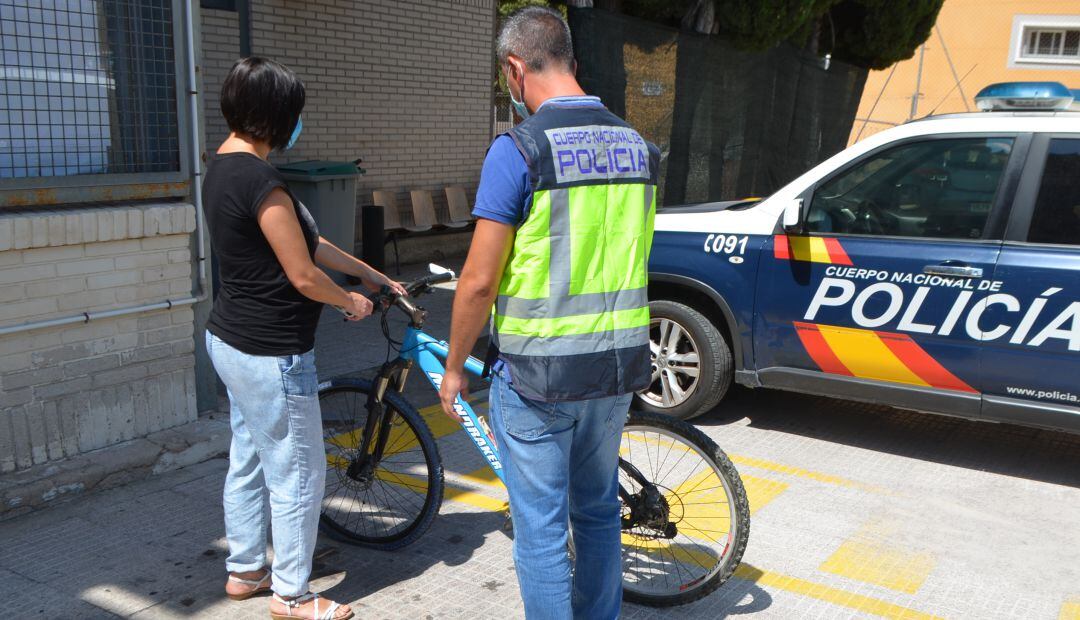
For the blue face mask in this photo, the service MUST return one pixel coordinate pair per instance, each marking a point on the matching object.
(295, 132)
(519, 106)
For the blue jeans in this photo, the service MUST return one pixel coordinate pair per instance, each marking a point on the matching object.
(277, 453)
(561, 462)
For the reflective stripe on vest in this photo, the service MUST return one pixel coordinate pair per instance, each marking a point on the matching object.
(550, 304)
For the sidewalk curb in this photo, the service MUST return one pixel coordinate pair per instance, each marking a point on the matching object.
(48, 484)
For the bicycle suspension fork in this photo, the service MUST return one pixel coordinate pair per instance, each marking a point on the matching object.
(380, 421)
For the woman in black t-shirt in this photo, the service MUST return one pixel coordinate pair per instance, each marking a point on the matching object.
(260, 337)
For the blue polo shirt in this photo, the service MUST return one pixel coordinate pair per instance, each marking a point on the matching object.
(505, 191)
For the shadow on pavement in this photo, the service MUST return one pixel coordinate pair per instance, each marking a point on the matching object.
(1042, 455)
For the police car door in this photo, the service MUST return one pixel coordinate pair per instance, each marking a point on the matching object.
(1031, 361)
(875, 300)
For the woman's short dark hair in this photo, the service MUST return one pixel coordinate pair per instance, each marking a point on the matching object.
(262, 99)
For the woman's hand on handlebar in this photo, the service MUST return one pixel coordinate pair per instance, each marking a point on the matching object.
(375, 281)
(358, 307)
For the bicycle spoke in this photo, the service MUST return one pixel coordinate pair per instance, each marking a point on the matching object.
(696, 502)
(389, 498)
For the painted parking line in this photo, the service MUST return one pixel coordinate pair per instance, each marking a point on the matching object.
(761, 491)
(451, 493)
(484, 476)
(779, 468)
(657, 552)
(799, 472)
(1070, 609)
(829, 594)
(868, 557)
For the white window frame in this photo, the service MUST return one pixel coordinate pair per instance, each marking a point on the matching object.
(1024, 25)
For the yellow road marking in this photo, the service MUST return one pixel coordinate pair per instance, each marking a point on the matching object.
(761, 491)
(764, 491)
(657, 550)
(419, 485)
(485, 476)
(879, 564)
(1070, 609)
(835, 596)
(433, 416)
(802, 473)
(760, 464)
(472, 498)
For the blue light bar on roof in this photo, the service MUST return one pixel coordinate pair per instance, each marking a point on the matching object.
(1024, 96)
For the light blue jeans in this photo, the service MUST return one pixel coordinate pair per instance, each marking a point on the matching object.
(561, 464)
(277, 452)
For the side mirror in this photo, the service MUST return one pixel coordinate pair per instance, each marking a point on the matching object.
(793, 218)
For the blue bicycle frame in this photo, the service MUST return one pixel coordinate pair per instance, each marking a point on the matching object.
(429, 354)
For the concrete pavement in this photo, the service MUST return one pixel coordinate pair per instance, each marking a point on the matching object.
(859, 511)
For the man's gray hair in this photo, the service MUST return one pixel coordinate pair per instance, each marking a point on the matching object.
(539, 36)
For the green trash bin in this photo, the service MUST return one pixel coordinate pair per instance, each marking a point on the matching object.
(328, 190)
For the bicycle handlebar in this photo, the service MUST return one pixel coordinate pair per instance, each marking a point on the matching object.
(414, 289)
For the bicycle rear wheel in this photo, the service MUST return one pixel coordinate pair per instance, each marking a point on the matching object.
(385, 505)
(685, 515)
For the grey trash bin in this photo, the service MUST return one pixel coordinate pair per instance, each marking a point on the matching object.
(328, 190)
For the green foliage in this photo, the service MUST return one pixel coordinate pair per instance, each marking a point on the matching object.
(867, 33)
(765, 23)
(506, 7)
(878, 33)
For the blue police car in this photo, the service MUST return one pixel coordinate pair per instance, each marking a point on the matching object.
(934, 266)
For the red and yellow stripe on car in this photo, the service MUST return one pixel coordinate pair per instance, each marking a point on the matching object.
(811, 249)
(869, 354)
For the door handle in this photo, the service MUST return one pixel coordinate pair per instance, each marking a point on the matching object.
(954, 271)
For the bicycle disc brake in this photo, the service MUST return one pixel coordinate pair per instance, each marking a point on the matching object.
(649, 509)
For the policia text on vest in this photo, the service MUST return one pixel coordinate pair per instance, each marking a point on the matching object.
(598, 152)
(572, 318)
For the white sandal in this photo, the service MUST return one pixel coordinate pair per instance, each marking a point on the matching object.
(256, 584)
(300, 600)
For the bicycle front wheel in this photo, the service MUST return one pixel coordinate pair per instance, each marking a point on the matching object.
(384, 504)
(685, 516)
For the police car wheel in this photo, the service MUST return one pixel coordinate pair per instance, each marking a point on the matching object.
(691, 362)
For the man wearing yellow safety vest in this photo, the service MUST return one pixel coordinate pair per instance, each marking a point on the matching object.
(558, 262)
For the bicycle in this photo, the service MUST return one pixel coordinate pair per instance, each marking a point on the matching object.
(682, 538)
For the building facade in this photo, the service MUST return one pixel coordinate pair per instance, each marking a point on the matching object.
(406, 86)
(974, 43)
(110, 107)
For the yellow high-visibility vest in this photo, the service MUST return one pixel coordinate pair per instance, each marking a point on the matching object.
(572, 318)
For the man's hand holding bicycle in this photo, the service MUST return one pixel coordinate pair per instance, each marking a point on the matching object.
(454, 383)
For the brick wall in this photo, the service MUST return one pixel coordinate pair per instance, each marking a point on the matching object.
(220, 49)
(404, 84)
(69, 389)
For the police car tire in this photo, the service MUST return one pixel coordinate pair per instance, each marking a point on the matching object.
(715, 365)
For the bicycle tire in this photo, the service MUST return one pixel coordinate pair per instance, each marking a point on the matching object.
(361, 534)
(739, 511)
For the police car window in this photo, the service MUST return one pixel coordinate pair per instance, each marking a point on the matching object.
(936, 188)
(1057, 209)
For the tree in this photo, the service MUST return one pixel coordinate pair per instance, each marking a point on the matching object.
(872, 34)
(878, 33)
(746, 68)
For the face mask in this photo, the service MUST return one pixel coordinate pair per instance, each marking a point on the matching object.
(519, 106)
(295, 132)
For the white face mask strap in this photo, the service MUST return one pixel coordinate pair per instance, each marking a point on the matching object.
(521, 89)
